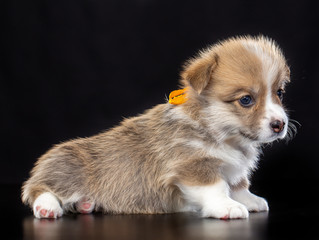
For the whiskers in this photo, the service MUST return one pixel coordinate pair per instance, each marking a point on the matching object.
(292, 129)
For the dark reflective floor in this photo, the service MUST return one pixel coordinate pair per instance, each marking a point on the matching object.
(282, 222)
(173, 226)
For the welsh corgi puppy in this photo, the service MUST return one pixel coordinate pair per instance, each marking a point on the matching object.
(195, 152)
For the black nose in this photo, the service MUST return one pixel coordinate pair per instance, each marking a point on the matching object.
(277, 126)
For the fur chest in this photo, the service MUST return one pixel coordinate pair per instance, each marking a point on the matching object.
(238, 161)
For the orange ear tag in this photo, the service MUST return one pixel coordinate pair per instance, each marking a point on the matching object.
(178, 96)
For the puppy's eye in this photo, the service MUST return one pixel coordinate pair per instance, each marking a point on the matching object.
(246, 101)
(280, 94)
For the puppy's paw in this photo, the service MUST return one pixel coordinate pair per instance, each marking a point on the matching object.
(228, 209)
(252, 202)
(85, 206)
(47, 206)
(258, 204)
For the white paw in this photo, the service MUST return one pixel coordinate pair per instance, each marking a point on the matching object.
(227, 209)
(258, 205)
(47, 206)
(85, 206)
(252, 202)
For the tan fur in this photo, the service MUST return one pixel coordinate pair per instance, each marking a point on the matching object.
(244, 183)
(136, 167)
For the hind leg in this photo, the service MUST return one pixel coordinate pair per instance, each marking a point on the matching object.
(85, 205)
(47, 205)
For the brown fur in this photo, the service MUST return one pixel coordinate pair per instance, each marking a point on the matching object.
(228, 84)
(136, 167)
(244, 183)
(144, 165)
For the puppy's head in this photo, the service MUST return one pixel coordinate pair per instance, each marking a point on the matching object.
(238, 85)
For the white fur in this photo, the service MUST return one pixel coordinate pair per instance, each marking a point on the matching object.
(273, 112)
(68, 203)
(221, 122)
(270, 71)
(236, 165)
(240, 159)
(75, 197)
(251, 201)
(269, 63)
(48, 202)
(214, 201)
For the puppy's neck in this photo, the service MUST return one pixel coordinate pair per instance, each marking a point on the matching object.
(242, 144)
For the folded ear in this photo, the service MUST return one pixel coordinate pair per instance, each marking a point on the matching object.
(198, 71)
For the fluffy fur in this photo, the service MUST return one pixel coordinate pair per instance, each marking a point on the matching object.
(195, 156)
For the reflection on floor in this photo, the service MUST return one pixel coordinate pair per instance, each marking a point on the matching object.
(289, 218)
(171, 226)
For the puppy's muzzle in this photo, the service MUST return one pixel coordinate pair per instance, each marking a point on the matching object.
(277, 125)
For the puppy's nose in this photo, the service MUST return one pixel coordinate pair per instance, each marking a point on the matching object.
(277, 126)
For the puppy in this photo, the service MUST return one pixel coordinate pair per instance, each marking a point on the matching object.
(195, 155)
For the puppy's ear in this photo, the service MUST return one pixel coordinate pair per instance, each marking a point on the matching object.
(198, 71)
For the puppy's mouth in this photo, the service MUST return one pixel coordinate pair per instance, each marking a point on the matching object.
(272, 137)
(275, 136)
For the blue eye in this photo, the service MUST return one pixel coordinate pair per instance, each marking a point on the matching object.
(246, 101)
(280, 94)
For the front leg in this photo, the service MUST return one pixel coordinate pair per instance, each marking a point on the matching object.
(214, 200)
(252, 202)
(203, 187)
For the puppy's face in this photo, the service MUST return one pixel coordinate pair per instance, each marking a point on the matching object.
(242, 82)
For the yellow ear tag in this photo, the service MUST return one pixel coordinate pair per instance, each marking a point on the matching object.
(178, 96)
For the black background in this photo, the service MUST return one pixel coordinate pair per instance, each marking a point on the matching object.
(75, 68)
